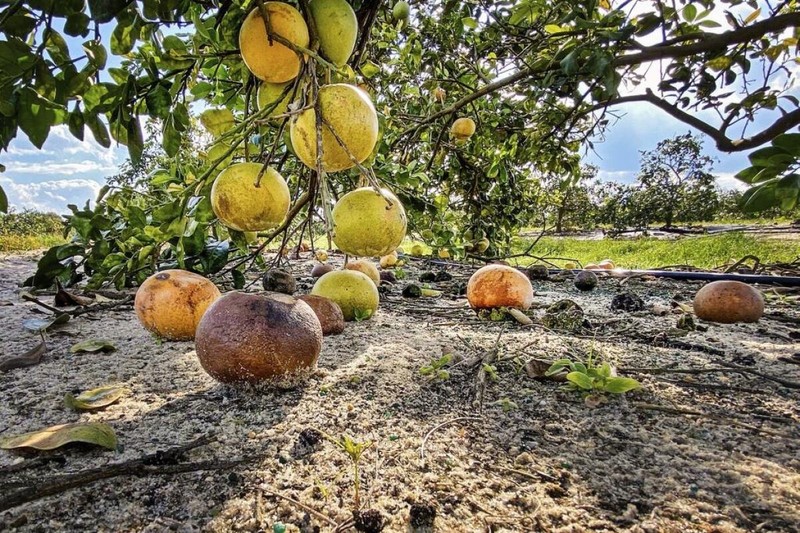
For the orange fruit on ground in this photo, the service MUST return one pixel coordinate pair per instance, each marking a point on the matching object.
(728, 302)
(271, 339)
(171, 303)
(365, 267)
(499, 286)
(365, 225)
(351, 114)
(242, 206)
(275, 63)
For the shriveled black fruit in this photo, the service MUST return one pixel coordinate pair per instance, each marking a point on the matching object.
(585, 280)
(421, 516)
(368, 521)
(412, 291)
(278, 280)
(427, 277)
(388, 276)
(627, 301)
(538, 272)
(443, 275)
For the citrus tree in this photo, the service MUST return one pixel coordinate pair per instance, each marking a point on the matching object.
(536, 80)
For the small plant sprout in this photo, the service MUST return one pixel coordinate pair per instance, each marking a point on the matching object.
(435, 369)
(354, 450)
(491, 371)
(399, 273)
(591, 379)
(362, 314)
(506, 404)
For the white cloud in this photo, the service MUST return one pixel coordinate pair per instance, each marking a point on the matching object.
(49, 196)
(621, 176)
(58, 168)
(727, 182)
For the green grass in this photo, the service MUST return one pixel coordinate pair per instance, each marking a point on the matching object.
(703, 252)
(22, 243)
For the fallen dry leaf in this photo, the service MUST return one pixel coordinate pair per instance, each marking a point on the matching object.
(29, 358)
(56, 436)
(94, 398)
(92, 345)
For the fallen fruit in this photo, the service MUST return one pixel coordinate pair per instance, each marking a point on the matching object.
(350, 289)
(268, 59)
(328, 312)
(389, 260)
(585, 280)
(321, 256)
(417, 250)
(728, 302)
(337, 29)
(606, 264)
(279, 280)
(499, 286)
(172, 302)
(271, 339)
(350, 113)
(365, 267)
(321, 270)
(538, 272)
(365, 224)
(240, 205)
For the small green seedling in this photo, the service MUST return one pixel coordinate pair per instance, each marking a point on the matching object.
(399, 273)
(491, 371)
(362, 314)
(592, 380)
(354, 450)
(506, 404)
(435, 369)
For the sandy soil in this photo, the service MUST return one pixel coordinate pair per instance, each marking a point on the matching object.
(546, 462)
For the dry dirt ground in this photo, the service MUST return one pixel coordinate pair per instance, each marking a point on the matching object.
(722, 454)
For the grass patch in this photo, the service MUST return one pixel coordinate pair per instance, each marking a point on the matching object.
(704, 252)
(23, 243)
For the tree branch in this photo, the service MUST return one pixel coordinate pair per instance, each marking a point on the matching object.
(724, 143)
(709, 43)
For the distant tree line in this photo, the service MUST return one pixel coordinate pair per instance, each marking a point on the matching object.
(675, 186)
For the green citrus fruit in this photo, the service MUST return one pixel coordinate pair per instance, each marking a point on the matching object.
(351, 289)
(242, 206)
(364, 224)
(337, 28)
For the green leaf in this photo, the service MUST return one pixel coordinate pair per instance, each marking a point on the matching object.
(238, 279)
(789, 142)
(581, 380)
(553, 28)
(105, 10)
(96, 53)
(92, 345)
(98, 129)
(3, 201)
(123, 38)
(56, 436)
(94, 398)
(689, 12)
(77, 24)
(570, 63)
(76, 124)
(369, 69)
(557, 367)
(469, 22)
(135, 140)
(617, 385)
(752, 17)
(35, 116)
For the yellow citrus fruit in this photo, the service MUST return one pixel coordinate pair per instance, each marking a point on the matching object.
(275, 62)
(337, 29)
(171, 303)
(389, 260)
(349, 111)
(350, 289)
(365, 267)
(365, 225)
(242, 206)
(417, 250)
(462, 129)
(269, 94)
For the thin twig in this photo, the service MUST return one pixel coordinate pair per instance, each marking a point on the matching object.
(436, 428)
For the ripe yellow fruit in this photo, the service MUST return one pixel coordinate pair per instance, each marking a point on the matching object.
(389, 260)
(337, 29)
(171, 303)
(274, 62)
(365, 267)
(242, 206)
(321, 255)
(365, 225)
(349, 111)
(444, 253)
(350, 289)
(417, 250)
(462, 129)
(269, 94)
